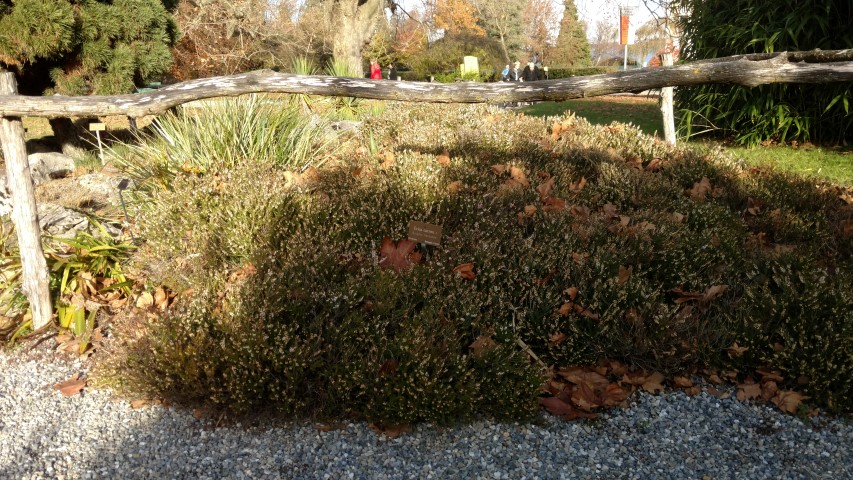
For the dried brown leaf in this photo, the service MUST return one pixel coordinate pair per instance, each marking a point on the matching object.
(556, 406)
(788, 400)
(161, 298)
(519, 176)
(466, 271)
(572, 292)
(144, 300)
(736, 351)
(72, 386)
(576, 187)
(579, 211)
(610, 210)
(443, 158)
(624, 274)
(499, 169)
(700, 189)
(613, 395)
(390, 430)
(746, 391)
(717, 393)
(399, 256)
(389, 159)
(566, 309)
(545, 188)
(682, 381)
(329, 427)
(653, 383)
(713, 292)
(557, 338)
(553, 204)
(482, 344)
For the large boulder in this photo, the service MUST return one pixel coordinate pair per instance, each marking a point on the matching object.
(58, 221)
(48, 166)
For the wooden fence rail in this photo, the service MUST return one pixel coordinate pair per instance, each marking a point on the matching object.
(814, 66)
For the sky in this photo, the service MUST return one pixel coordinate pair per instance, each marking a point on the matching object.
(589, 10)
(594, 10)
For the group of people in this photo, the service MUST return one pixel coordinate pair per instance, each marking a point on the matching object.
(532, 72)
(376, 71)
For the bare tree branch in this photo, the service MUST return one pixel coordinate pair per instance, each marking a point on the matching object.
(749, 70)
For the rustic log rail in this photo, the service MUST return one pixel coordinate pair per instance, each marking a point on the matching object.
(814, 66)
(748, 70)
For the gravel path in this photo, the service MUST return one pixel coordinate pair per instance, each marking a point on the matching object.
(45, 435)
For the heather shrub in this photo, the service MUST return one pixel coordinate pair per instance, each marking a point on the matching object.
(659, 256)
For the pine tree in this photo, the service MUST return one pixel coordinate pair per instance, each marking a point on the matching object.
(75, 47)
(572, 49)
(81, 47)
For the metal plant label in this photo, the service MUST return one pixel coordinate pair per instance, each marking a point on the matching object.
(427, 233)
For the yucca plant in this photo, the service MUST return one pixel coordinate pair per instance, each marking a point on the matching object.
(346, 108)
(221, 134)
(304, 66)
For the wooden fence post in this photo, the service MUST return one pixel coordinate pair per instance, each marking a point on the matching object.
(666, 104)
(34, 273)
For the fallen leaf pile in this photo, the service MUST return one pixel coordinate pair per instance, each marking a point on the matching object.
(582, 392)
(517, 178)
(573, 306)
(767, 389)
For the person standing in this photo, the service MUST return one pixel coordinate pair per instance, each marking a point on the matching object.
(375, 70)
(505, 74)
(392, 72)
(527, 73)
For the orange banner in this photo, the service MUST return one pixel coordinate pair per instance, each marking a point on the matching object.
(623, 29)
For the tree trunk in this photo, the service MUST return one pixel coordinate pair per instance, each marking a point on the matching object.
(66, 135)
(355, 23)
(35, 280)
(666, 104)
(748, 70)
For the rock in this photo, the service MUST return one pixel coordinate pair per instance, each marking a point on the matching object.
(60, 221)
(345, 125)
(102, 186)
(48, 166)
(5, 198)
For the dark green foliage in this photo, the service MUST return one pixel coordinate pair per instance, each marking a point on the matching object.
(555, 73)
(572, 49)
(306, 320)
(89, 46)
(782, 112)
(444, 56)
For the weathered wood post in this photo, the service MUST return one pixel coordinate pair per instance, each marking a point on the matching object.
(24, 214)
(666, 104)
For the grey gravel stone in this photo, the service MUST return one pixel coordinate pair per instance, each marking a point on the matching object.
(92, 435)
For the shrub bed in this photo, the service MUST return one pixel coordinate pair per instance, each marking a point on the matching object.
(584, 243)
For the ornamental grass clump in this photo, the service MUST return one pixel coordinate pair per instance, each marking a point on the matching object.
(563, 243)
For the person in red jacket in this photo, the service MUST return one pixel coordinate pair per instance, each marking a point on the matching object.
(375, 70)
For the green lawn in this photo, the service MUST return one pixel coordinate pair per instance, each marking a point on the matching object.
(833, 164)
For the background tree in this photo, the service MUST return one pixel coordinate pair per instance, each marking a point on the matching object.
(605, 43)
(716, 28)
(222, 37)
(457, 17)
(572, 48)
(503, 20)
(541, 24)
(85, 47)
